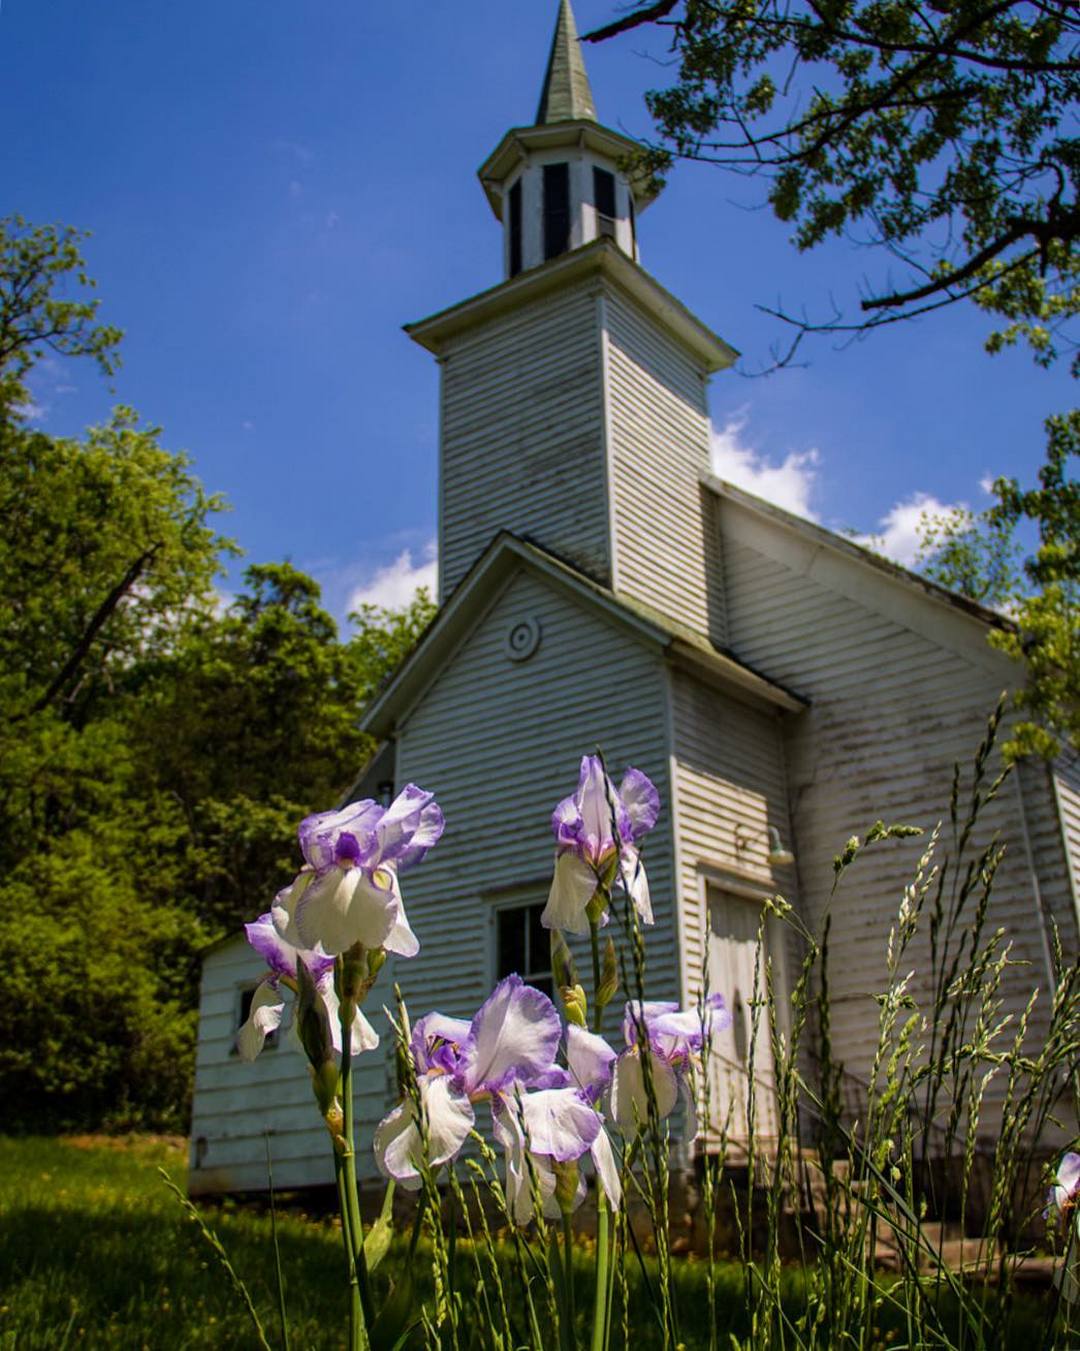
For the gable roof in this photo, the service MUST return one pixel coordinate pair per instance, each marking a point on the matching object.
(482, 584)
(857, 552)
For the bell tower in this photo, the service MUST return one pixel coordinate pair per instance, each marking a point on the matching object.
(558, 184)
(572, 403)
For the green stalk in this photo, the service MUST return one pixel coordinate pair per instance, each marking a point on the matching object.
(594, 940)
(361, 1312)
(568, 1279)
(356, 1311)
(601, 1304)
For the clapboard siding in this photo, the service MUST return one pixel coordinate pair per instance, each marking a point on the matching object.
(499, 743)
(522, 437)
(235, 1104)
(729, 773)
(900, 689)
(659, 430)
(1066, 786)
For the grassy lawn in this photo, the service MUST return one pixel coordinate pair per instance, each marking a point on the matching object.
(95, 1252)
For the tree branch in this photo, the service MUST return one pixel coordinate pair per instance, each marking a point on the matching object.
(1064, 228)
(633, 20)
(100, 618)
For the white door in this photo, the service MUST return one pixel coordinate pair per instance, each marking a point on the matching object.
(735, 955)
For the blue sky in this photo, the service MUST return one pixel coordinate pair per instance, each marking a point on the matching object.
(275, 188)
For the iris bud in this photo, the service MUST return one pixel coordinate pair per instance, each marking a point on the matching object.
(353, 977)
(609, 975)
(566, 1184)
(562, 962)
(313, 1022)
(575, 1005)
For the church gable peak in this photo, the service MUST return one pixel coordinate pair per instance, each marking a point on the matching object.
(566, 96)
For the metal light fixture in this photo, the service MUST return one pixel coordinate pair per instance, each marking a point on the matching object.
(779, 856)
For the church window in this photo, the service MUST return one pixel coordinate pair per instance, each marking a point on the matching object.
(604, 201)
(515, 229)
(523, 945)
(556, 209)
(633, 223)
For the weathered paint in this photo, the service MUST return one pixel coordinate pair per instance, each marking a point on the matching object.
(900, 686)
(522, 437)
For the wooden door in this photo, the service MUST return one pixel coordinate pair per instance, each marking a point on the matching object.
(737, 947)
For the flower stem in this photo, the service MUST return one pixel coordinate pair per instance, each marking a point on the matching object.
(601, 1307)
(594, 939)
(361, 1311)
(569, 1312)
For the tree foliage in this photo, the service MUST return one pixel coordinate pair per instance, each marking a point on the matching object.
(156, 746)
(38, 264)
(979, 555)
(944, 133)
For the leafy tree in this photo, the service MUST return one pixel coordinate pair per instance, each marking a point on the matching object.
(36, 264)
(155, 750)
(263, 704)
(942, 133)
(979, 556)
(973, 553)
(1047, 634)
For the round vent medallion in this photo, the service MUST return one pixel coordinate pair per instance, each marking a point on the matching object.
(523, 639)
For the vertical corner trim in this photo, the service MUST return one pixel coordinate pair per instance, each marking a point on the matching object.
(608, 438)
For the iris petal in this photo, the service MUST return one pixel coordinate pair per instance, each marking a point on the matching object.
(264, 1017)
(572, 889)
(514, 1036)
(398, 1143)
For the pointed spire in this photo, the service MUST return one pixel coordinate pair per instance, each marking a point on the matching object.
(566, 96)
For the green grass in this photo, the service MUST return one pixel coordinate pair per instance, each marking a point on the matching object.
(95, 1252)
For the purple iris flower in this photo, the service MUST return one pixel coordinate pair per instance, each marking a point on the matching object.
(553, 1126)
(674, 1040)
(593, 850)
(268, 1000)
(511, 1043)
(1063, 1192)
(348, 891)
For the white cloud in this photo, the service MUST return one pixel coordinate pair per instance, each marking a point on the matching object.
(790, 484)
(898, 534)
(394, 585)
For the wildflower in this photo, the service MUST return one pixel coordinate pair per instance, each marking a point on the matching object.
(1062, 1196)
(348, 891)
(268, 1001)
(593, 851)
(554, 1128)
(671, 1039)
(512, 1041)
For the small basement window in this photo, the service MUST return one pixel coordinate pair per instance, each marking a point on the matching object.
(515, 229)
(604, 201)
(523, 945)
(243, 1010)
(556, 209)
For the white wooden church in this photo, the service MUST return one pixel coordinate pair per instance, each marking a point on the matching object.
(782, 687)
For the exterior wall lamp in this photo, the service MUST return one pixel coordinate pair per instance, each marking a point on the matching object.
(779, 856)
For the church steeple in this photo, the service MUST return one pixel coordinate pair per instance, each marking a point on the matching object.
(566, 96)
(561, 183)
